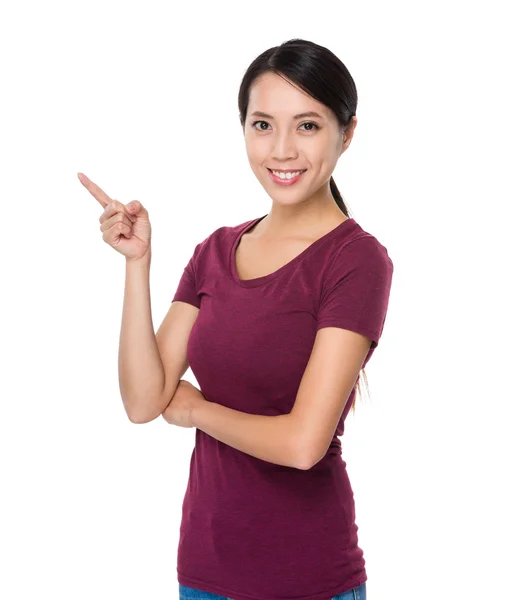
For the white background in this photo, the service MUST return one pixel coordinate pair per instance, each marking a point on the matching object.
(142, 98)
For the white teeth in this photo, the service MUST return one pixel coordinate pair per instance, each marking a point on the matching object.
(287, 175)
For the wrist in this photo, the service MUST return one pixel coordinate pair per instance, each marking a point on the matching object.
(143, 262)
(197, 410)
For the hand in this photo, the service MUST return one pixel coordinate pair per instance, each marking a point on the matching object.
(184, 400)
(126, 230)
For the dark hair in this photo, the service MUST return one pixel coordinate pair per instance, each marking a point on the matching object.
(319, 73)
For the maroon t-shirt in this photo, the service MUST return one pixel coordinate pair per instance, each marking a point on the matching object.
(251, 529)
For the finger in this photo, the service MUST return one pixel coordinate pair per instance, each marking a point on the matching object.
(113, 208)
(95, 190)
(108, 212)
(117, 218)
(113, 233)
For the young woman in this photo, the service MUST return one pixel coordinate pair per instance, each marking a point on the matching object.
(277, 317)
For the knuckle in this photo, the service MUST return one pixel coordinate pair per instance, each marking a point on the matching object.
(112, 207)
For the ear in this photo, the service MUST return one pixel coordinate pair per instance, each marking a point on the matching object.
(349, 132)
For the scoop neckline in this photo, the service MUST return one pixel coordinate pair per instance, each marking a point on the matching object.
(256, 281)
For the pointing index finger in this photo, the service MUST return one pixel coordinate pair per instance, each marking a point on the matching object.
(101, 196)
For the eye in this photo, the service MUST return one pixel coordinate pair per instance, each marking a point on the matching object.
(310, 123)
(254, 123)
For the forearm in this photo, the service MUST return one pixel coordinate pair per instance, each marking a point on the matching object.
(270, 438)
(141, 372)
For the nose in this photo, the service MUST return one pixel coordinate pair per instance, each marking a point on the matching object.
(284, 148)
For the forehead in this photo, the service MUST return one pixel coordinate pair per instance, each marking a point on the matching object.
(277, 96)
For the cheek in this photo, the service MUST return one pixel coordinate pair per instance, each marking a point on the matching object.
(324, 157)
(256, 153)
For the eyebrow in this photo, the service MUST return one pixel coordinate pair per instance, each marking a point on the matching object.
(310, 113)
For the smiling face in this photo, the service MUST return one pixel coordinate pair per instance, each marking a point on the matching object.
(280, 136)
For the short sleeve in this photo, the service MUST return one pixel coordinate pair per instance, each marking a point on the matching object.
(187, 286)
(356, 289)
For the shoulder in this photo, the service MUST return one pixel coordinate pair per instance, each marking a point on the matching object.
(362, 248)
(358, 258)
(366, 247)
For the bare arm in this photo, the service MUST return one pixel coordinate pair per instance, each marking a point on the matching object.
(301, 438)
(141, 370)
(151, 365)
(270, 438)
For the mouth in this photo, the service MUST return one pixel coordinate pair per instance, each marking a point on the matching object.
(286, 177)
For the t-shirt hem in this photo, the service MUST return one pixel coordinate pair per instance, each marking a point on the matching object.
(189, 299)
(344, 323)
(221, 591)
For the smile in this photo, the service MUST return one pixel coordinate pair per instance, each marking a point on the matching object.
(286, 178)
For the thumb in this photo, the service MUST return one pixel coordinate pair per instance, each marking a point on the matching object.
(135, 208)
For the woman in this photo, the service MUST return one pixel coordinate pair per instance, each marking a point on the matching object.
(277, 317)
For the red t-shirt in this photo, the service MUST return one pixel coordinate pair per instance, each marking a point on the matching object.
(251, 529)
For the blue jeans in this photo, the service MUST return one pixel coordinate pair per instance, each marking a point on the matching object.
(187, 593)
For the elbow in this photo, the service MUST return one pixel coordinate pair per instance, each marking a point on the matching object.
(310, 456)
(300, 448)
(304, 458)
(306, 464)
(139, 416)
(137, 419)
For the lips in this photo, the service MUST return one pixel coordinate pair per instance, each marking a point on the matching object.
(286, 170)
(284, 181)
